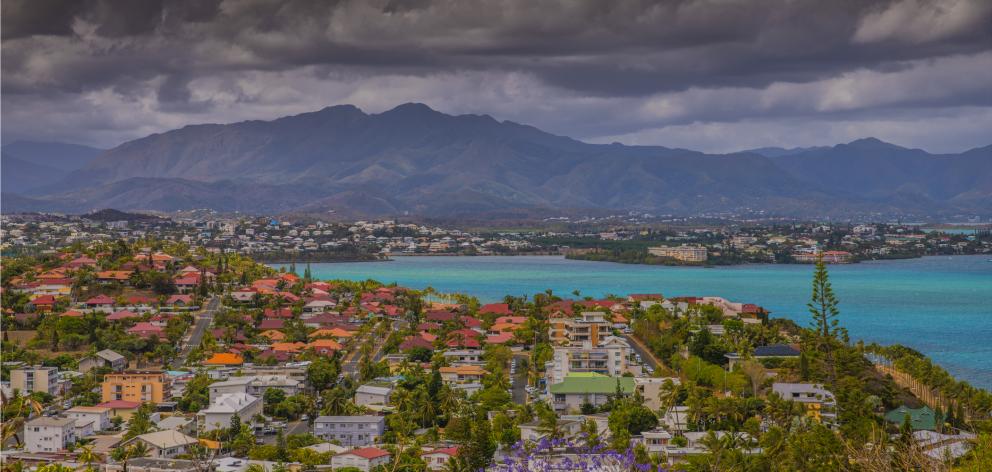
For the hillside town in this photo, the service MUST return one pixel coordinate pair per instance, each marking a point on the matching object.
(166, 355)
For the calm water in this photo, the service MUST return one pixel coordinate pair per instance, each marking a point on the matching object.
(941, 306)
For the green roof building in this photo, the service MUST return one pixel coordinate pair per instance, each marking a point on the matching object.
(922, 418)
(587, 387)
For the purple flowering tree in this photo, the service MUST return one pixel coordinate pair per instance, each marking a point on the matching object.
(564, 455)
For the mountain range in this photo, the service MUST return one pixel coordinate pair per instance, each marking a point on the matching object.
(413, 160)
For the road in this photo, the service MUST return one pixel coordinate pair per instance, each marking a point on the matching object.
(200, 325)
(519, 385)
(349, 365)
(646, 355)
(293, 427)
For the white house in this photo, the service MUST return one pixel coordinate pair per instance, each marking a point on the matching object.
(48, 434)
(218, 415)
(164, 444)
(98, 416)
(365, 459)
(373, 394)
(438, 458)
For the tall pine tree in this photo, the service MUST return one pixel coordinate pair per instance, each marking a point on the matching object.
(823, 307)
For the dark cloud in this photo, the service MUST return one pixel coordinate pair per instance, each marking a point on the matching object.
(113, 69)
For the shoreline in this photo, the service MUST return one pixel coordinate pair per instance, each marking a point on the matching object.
(393, 257)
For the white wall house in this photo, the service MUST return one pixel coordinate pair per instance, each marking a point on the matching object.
(47, 434)
(218, 415)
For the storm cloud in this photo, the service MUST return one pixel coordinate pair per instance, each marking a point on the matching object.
(713, 75)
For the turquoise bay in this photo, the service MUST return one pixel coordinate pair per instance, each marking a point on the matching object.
(941, 306)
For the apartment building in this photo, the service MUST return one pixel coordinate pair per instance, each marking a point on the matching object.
(226, 406)
(680, 253)
(35, 378)
(136, 386)
(48, 434)
(351, 431)
(589, 327)
(610, 358)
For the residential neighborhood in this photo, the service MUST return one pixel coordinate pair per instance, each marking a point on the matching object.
(188, 355)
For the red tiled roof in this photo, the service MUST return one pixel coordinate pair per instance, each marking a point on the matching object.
(122, 404)
(100, 300)
(368, 452)
(501, 338)
(270, 323)
(44, 300)
(496, 308)
(440, 316)
(414, 342)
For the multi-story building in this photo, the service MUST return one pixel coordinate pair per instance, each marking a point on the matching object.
(463, 356)
(226, 406)
(35, 379)
(829, 257)
(680, 253)
(468, 373)
(589, 327)
(48, 434)
(136, 386)
(351, 431)
(821, 405)
(98, 416)
(611, 357)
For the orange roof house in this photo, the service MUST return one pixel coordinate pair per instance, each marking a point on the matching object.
(337, 333)
(501, 327)
(56, 273)
(288, 347)
(114, 275)
(224, 358)
(161, 257)
(324, 346)
(462, 373)
(273, 335)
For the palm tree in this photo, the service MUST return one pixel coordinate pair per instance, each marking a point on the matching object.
(88, 457)
(124, 454)
(668, 395)
(499, 380)
(450, 401)
(10, 429)
(457, 464)
(550, 427)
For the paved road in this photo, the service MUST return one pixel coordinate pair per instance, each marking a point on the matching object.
(293, 427)
(200, 325)
(641, 350)
(519, 385)
(349, 365)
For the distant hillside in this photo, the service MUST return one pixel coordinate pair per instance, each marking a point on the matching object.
(416, 161)
(25, 165)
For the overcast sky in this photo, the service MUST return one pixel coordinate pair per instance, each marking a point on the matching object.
(713, 75)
